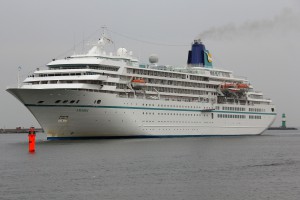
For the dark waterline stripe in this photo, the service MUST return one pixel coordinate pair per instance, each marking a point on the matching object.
(141, 137)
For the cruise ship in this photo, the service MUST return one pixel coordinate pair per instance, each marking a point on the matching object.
(112, 95)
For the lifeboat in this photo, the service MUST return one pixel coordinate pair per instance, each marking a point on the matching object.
(228, 85)
(228, 89)
(242, 86)
(137, 83)
(235, 86)
(234, 90)
(141, 80)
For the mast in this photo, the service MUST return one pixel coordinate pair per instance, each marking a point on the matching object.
(19, 69)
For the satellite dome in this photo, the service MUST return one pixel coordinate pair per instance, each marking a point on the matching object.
(122, 52)
(153, 58)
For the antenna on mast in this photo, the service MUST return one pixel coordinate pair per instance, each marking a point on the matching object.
(104, 38)
(74, 42)
(19, 69)
(83, 42)
(104, 28)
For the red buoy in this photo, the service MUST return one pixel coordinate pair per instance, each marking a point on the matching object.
(31, 140)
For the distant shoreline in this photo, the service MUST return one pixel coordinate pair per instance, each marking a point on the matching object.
(282, 128)
(18, 130)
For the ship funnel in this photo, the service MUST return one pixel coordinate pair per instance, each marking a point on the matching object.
(198, 56)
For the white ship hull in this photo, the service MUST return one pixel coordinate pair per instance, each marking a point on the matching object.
(115, 117)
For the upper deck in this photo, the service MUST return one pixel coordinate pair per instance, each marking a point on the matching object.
(114, 73)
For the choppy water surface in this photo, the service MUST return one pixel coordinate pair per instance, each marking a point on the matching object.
(254, 167)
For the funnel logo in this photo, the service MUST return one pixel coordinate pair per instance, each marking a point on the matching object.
(209, 56)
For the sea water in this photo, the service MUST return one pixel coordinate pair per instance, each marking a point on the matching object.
(233, 168)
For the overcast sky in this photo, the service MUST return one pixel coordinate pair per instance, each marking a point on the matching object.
(256, 39)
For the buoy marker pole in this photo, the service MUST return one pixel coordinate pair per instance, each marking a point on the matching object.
(31, 140)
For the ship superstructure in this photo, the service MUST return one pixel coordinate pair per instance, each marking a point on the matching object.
(108, 95)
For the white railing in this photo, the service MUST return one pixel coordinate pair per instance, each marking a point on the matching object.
(63, 86)
(59, 78)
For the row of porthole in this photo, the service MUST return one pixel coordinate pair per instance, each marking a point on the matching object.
(58, 101)
(189, 115)
(97, 101)
(72, 101)
(233, 108)
(177, 122)
(257, 110)
(67, 101)
(185, 122)
(172, 106)
(162, 105)
(231, 116)
(254, 117)
(176, 114)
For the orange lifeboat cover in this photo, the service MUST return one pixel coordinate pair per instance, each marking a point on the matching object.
(242, 85)
(138, 81)
(227, 85)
